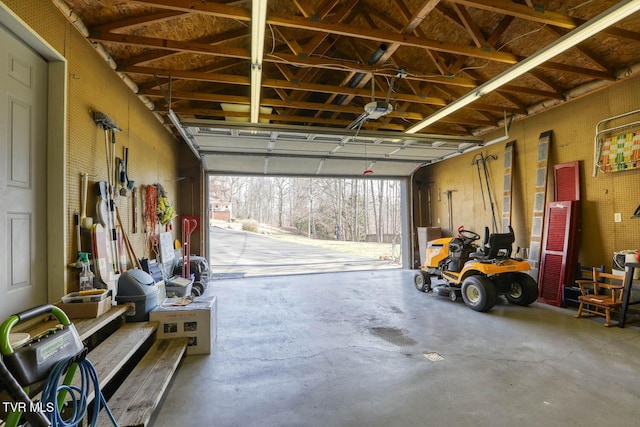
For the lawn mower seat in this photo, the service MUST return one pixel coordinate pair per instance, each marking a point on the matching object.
(484, 248)
(499, 245)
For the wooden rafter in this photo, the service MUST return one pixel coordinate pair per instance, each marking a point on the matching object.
(278, 84)
(138, 21)
(315, 47)
(539, 14)
(313, 106)
(157, 54)
(595, 61)
(464, 19)
(321, 42)
(242, 14)
(369, 34)
(274, 118)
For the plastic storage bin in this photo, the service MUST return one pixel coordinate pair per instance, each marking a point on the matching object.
(138, 287)
(199, 267)
(174, 290)
(77, 297)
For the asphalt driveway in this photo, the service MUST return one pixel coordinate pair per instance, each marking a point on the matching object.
(237, 253)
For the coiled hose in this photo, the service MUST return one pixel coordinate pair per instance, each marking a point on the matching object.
(79, 395)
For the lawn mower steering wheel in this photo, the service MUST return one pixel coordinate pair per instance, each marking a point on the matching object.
(468, 236)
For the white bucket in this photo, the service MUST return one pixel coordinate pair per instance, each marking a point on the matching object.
(623, 257)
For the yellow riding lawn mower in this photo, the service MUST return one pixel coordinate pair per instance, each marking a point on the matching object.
(477, 273)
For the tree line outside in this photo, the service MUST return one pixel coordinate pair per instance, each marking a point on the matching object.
(347, 209)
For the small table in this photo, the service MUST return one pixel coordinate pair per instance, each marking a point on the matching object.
(628, 281)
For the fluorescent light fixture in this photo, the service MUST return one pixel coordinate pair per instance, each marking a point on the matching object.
(605, 19)
(258, 23)
(188, 138)
(256, 81)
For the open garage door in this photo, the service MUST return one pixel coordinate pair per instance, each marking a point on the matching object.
(296, 225)
(366, 161)
(233, 148)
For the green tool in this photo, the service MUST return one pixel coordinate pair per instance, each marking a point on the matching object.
(32, 362)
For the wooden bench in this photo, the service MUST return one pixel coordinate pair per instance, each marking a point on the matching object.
(87, 327)
(110, 357)
(132, 405)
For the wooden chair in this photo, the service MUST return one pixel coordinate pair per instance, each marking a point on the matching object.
(585, 272)
(601, 295)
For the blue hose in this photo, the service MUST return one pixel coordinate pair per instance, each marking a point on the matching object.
(53, 388)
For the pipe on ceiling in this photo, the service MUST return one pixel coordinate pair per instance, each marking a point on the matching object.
(72, 16)
(576, 92)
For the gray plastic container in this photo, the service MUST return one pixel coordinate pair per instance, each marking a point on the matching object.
(138, 287)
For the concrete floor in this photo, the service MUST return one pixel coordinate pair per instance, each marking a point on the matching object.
(237, 254)
(348, 349)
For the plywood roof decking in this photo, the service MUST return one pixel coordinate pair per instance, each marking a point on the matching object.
(314, 49)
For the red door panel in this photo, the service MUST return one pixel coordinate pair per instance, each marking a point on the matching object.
(558, 256)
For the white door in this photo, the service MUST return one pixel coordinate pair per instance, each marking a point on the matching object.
(23, 198)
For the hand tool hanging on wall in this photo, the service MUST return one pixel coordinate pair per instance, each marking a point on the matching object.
(85, 222)
(134, 210)
(122, 183)
(130, 252)
(450, 207)
(126, 166)
(123, 172)
(120, 264)
(102, 209)
(76, 220)
(110, 129)
(123, 177)
(480, 159)
(101, 259)
(477, 163)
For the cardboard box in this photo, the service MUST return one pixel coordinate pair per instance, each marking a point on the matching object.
(197, 321)
(85, 310)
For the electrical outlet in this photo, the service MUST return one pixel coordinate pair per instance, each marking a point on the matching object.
(617, 217)
(438, 220)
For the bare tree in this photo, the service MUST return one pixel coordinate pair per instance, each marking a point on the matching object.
(283, 185)
(326, 208)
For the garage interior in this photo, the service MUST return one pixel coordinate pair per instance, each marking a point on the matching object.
(426, 92)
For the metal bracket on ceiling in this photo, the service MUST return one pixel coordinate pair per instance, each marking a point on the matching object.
(188, 138)
(272, 142)
(507, 126)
